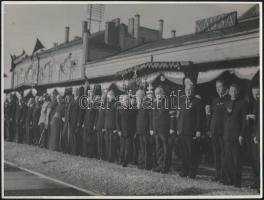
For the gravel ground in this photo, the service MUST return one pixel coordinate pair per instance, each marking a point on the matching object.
(111, 179)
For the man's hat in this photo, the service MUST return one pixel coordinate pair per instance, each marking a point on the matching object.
(190, 77)
(97, 89)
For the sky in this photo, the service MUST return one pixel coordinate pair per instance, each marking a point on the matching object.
(23, 23)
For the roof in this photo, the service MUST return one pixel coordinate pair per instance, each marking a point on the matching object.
(184, 39)
(251, 12)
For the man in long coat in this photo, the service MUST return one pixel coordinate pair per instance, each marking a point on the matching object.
(234, 133)
(143, 118)
(111, 136)
(70, 126)
(189, 127)
(217, 126)
(125, 130)
(20, 119)
(29, 121)
(161, 130)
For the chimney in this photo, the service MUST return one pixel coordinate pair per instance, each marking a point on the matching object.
(67, 33)
(110, 32)
(136, 28)
(117, 22)
(161, 22)
(86, 52)
(122, 36)
(84, 27)
(131, 22)
(173, 33)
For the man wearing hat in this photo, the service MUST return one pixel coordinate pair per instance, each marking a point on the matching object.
(189, 125)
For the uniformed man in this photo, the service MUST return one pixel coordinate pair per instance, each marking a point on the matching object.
(29, 120)
(100, 128)
(161, 130)
(80, 118)
(12, 117)
(42, 121)
(217, 126)
(125, 129)
(20, 119)
(143, 130)
(36, 116)
(254, 131)
(89, 144)
(110, 126)
(189, 127)
(70, 125)
(234, 132)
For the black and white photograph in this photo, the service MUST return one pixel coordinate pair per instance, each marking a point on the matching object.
(136, 99)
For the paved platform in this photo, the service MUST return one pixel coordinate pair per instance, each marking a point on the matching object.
(18, 182)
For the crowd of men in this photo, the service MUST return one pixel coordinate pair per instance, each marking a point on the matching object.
(141, 128)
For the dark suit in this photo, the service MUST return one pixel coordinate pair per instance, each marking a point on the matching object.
(79, 130)
(111, 137)
(161, 126)
(217, 132)
(254, 149)
(234, 126)
(89, 138)
(124, 119)
(100, 131)
(20, 119)
(36, 115)
(70, 128)
(143, 132)
(12, 120)
(29, 125)
(188, 123)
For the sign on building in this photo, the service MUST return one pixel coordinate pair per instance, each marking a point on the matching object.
(217, 22)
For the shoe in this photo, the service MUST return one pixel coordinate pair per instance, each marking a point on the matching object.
(124, 165)
(215, 179)
(165, 171)
(183, 174)
(157, 169)
(192, 176)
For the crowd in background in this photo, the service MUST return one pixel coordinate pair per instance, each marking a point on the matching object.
(148, 136)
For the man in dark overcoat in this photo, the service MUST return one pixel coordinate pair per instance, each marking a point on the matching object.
(217, 126)
(234, 134)
(189, 125)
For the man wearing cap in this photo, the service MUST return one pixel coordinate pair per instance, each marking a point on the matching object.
(217, 126)
(189, 127)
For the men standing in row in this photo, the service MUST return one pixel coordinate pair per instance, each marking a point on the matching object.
(217, 127)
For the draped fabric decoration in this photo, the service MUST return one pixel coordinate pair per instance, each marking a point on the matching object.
(61, 90)
(242, 73)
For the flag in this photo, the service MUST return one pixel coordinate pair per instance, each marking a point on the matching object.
(12, 63)
(38, 46)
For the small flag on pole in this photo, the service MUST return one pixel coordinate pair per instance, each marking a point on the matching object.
(37, 47)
